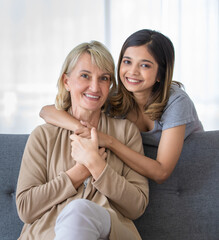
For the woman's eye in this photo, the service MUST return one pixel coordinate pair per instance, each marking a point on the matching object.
(84, 75)
(105, 78)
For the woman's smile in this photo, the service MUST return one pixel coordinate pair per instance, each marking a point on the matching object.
(91, 96)
(88, 85)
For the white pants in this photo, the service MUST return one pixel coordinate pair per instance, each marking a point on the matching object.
(82, 219)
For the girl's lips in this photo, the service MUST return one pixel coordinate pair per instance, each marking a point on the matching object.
(134, 81)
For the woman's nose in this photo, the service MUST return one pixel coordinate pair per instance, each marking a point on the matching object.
(94, 85)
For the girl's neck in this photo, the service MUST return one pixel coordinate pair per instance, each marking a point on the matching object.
(141, 99)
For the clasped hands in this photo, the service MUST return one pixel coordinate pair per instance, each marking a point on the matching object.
(85, 148)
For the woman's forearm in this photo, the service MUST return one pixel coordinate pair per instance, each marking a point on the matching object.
(78, 174)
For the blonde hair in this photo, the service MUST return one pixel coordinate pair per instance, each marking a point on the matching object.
(100, 56)
(161, 48)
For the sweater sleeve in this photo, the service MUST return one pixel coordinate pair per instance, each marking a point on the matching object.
(35, 194)
(129, 191)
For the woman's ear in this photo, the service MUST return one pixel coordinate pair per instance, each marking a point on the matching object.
(65, 80)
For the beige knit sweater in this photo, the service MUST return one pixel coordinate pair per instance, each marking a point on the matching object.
(44, 188)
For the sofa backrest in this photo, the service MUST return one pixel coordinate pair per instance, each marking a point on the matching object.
(11, 151)
(186, 206)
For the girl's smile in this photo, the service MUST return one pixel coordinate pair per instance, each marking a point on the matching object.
(138, 70)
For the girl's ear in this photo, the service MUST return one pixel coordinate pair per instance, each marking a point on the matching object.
(65, 80)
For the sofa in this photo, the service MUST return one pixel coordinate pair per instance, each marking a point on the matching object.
(185, 207)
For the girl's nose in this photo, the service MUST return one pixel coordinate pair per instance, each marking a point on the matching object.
(134, 69)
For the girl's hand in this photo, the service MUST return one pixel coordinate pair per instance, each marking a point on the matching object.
(84, 131)
(103, 139)
(103, 153)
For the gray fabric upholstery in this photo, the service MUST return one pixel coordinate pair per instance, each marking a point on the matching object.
(186, 206)
(11, 151)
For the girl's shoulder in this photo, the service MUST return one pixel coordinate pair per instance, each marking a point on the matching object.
(177, 90)
(178, 94)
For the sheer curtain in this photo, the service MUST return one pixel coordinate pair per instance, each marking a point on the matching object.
(37, 35)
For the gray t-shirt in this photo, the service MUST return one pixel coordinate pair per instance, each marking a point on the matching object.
(179, 110)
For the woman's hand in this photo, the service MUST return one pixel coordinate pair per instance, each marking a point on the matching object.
(86, 151)
(85, 131)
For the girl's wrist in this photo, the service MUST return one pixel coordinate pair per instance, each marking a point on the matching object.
(105, 140)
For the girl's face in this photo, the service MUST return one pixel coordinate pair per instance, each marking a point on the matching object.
(138, 71)
(88, 85)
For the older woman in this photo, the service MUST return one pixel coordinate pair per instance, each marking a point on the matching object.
(67, 187)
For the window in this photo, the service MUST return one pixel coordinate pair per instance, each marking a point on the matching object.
(37, 36)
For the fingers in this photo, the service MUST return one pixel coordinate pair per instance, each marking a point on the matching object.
(94, 136)
(73, 137)
(86, 124)
(101, 151)
(83, 132)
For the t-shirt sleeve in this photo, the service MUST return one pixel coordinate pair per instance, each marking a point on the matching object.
(180, 110)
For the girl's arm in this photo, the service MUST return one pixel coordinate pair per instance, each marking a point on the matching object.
(63, 119)
(169, 151)
(159, 170)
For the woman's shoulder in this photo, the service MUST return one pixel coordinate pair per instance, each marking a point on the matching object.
(45, 131)
(118, 126)
(119, 121)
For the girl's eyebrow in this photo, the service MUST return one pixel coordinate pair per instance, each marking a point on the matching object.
(143, 60)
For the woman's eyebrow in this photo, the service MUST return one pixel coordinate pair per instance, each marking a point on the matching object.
(85, 71)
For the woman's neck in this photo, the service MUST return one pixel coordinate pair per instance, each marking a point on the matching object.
(92, 117)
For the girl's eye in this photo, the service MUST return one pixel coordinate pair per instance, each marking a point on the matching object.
(84, 75)
(145, 65)
(126, 62)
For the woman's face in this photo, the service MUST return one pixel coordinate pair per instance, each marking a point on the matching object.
(138, 70)
(88, 85)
